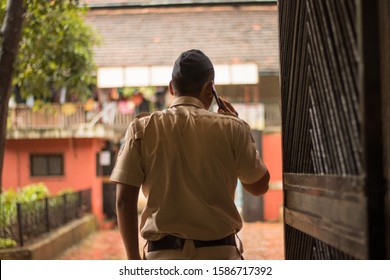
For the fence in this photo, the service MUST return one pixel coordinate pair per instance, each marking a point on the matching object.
(32, 219)
(56, 116)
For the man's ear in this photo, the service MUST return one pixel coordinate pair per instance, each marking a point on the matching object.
(171, 89)
(206, 91)
(208, 88)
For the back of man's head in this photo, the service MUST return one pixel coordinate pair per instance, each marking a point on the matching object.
(191, 71)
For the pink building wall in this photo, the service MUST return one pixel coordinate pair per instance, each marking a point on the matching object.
(79, 166)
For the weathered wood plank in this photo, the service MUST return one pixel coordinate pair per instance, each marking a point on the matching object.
(343, 238)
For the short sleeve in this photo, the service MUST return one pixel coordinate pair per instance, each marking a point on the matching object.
(128, 166)
(250, 167)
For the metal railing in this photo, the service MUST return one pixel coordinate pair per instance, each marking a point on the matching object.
(32, 219)
(24, 117)
(56, 117)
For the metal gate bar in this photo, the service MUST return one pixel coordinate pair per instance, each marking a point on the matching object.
(384, 16)
(333, 163)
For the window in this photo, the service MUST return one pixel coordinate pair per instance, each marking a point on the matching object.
(47, 165)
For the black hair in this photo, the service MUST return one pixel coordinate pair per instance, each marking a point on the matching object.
(192, 86)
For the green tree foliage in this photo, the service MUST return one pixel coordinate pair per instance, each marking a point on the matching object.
(56, 49)
(3, 4)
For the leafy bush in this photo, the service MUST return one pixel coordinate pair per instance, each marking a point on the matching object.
(32, 202)
(58, 199)
(9, 198)
(7, 243)
(66, 191)
(33, 192)
(8, 207)
(8, 212)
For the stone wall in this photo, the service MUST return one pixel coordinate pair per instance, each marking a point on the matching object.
(49, 246)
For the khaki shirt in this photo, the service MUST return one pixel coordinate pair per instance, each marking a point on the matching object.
(187, 161)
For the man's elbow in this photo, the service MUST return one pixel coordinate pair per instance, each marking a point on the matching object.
(264, 184)
(260, 187)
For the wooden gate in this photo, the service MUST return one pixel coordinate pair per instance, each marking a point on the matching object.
(335, 87)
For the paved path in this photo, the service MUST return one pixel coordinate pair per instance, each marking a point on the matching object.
(262, 241)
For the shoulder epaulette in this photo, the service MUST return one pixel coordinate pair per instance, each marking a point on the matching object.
(138, 126)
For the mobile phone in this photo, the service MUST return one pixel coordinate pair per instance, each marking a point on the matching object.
(220, 106)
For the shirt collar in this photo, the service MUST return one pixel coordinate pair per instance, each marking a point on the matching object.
(187, 100)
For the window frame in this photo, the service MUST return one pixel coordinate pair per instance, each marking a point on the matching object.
(47, 158)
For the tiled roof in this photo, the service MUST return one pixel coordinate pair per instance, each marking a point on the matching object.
(162, 2)
(156, 36)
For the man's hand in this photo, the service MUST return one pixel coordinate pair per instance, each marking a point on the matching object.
(227, 108)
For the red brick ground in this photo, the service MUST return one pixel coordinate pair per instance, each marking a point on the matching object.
(262, 240)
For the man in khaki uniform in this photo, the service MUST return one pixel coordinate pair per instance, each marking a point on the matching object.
(187, 160)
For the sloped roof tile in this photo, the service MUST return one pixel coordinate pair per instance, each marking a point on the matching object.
(156, 36)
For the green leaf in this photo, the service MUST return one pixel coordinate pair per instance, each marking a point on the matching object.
(56, 49)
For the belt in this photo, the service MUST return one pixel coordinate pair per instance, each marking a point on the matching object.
(173, 242)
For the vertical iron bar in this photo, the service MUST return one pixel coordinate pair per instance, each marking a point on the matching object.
(20, 225)
(64, 220)
(47, 214)
(80, 204)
